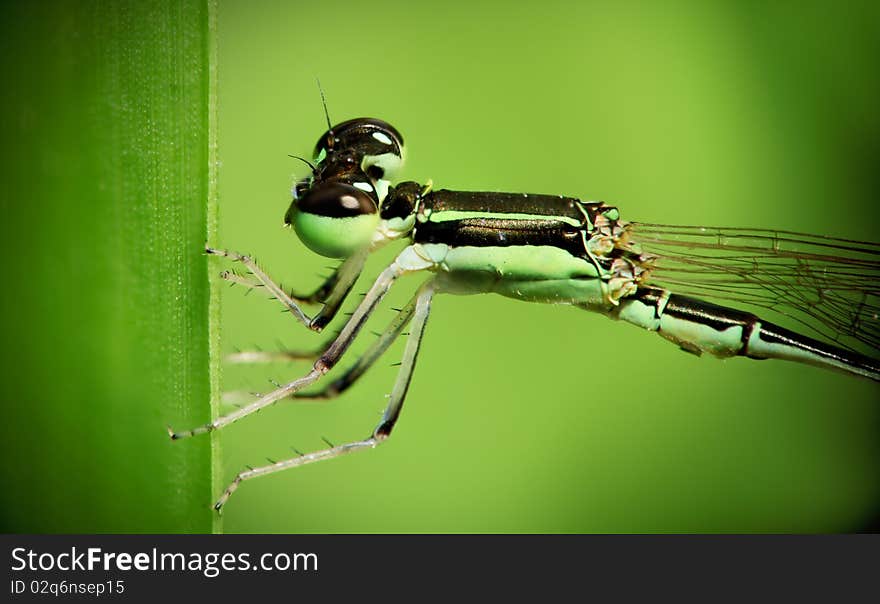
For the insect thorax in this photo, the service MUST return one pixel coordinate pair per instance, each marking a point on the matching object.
(533, 247)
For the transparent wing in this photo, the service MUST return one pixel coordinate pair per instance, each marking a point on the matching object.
(829, 286)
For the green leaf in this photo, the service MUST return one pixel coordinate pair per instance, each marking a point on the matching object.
(106, 193)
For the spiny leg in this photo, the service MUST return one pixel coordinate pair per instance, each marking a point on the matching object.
(283, 354)
(332, 293)
(367, 359)
(268, 356)
(347, 379)
(319, 295)
(408, 261)
(392, 412)
(349, 270)
(345, 277)
(236, 397)
(280, 355)
(339, 285)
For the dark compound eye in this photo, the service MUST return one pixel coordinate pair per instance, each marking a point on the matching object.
(376, 145)
(360, 131)
(338, 199)
(336, 218)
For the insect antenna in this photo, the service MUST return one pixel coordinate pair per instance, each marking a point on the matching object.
(324, 103)
(305, 161)
(330, 135)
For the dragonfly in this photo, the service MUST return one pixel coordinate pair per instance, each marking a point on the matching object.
(673, 280)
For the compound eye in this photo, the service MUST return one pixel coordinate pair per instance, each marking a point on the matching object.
(334, 218)
(338, 200)
(376, 144)
(383, 164)
(384, 154)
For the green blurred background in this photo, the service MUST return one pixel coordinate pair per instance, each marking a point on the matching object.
(680, 112)
(735, 114)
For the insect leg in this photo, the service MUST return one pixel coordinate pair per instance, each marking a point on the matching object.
(346, 380)
(318, 296)
(408, 261)
(271, 356)
(333, 291)
(367, 359)
(347, 272)
(392, 412)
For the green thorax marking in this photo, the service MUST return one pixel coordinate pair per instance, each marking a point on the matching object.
(533, 247)
(443, 205)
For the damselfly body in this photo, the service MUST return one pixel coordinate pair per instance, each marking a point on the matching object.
(674, 280)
